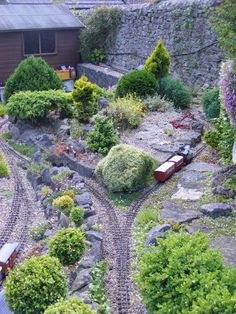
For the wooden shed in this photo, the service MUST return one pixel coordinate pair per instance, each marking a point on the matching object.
(49, 31)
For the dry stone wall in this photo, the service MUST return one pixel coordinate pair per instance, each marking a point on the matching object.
(183, 26)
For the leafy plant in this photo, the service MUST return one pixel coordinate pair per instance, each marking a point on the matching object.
(103, 137)
(137, 82)
(64, 203)
(182, 275)
(24, 292)
(211, 103)
(125, 169)
(157, 103)
(32, 74)
(6, 136)
(37, 233)
(71, 306)
(26, 150)
(159, 61)
(3, 110)
(4, 171)
(98, 55)
(46, 190)
(77, 215)
(146, 216)
(125, 112)
(67, 245)
(85, 99)
(175, 91)
(70, 193)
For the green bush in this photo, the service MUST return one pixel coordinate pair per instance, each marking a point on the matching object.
(146, 216)
(85, 99)
(125, 112)
(4, 171)
(103, 137)
(32, 74)
(70, 193)
(3, 110)
(138, 82)
(71, 306)
(26, 150)
(36, 105)
(125, 168)
(37, 233)
(211, 103)
(67, 245)
(157, 103)
(64, 203)
(35, 284)
(175, 91)
(182, 275)
(159, 61)
(77, 215)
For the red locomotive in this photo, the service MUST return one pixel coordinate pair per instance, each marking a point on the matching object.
(8, 255)
(178, 160)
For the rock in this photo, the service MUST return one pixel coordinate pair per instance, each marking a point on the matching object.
(221, 190)
(46, 178)
(102, 103)
(215, 210)
(176, 213)
(202, 167)
(187, 194)
(15, 132)
(63, 221)
(94, 236)
(77, 178)
(87, 261)
(197, 127)
(192, 180)
(82, 279)
(48, 211)
(156, 232)
(77, 146)
(45, 140)
(227, 245)
(34, 179)
(234, 153)
(37, 157)
(90, 221)
(88, 211)
(97, 251)
(45, 249)
(83, 199)
(87, 128)
(48, 233)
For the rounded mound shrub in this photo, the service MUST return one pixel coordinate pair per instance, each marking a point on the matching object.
(77, 215)
(182, 275)
(32, 74)
(35, 284)
(138, 82)
(64, 203)
(211, 103)
(175, 91)
(71, 306)
(67, 245)
(125, 168)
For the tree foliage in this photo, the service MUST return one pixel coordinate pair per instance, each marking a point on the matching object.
(35, 284)
(211, 103)
(71, 306)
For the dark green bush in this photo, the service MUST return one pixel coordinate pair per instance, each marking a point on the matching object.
(71, 306)
(138, 82)
(35, 284)
(211, 103)
(159, 61)
(175, 91)
(182, 275)
(32, 74)
(103, 137)
(77, 215)
(36, 105)
(125, 168)
(67, 245)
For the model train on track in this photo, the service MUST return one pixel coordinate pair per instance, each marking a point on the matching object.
(178, 160)
(8, 255)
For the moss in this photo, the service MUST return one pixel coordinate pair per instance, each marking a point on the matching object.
(26, 150)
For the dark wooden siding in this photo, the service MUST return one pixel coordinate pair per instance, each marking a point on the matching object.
(11, 51)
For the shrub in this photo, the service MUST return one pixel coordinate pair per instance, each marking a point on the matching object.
(77, 215)
(157, 103)
(64, 203)
(175, 91)
(32, 74)
(125, 168)
(103, 137)
(67, 245)
(70, 193)
(4, 171)
(138, 82)
(125, 112)
(36, 105)
(71, 306)
(211, 103)
(35, 284)
(26, 150)
(182, 275)
(85, 99)
(46, 191)
(37, 233)
(146, 216)
(3, 110)
(159, 61)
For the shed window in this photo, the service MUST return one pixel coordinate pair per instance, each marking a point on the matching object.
(36, 43)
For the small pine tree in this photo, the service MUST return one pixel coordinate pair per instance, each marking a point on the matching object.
(103, 137)
(159, 61)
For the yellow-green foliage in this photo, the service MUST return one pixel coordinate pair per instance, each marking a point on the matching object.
(125, 168)
(85, 99)
(70, 193)
(64, 203)
(126, 112)
(71, 306)
(159, 61)
(4, 172)
(3, 110)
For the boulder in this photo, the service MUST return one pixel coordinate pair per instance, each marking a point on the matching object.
(45, 139)
(83, 278)
(90, 221)
(215, 210)
(37, 157)
(102, 103)
(97, 251)
(87, 261)
(83, 199)
(15, 132)
(63, 221)
(35, 179)
(46, 177)
(88, 211)
(156, 232)
(94, 236)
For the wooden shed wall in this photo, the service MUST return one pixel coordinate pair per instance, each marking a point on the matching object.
(11, 51)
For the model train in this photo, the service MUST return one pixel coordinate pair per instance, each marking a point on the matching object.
(8, 255)
(178, 160)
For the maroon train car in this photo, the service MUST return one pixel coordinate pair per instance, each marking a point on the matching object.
(8, 255)
(178, 161)
(163, 172)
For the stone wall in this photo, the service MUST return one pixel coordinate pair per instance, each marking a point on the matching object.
(183, 26)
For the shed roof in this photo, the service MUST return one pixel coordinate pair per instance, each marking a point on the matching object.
(7, 250)
(36, 17)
